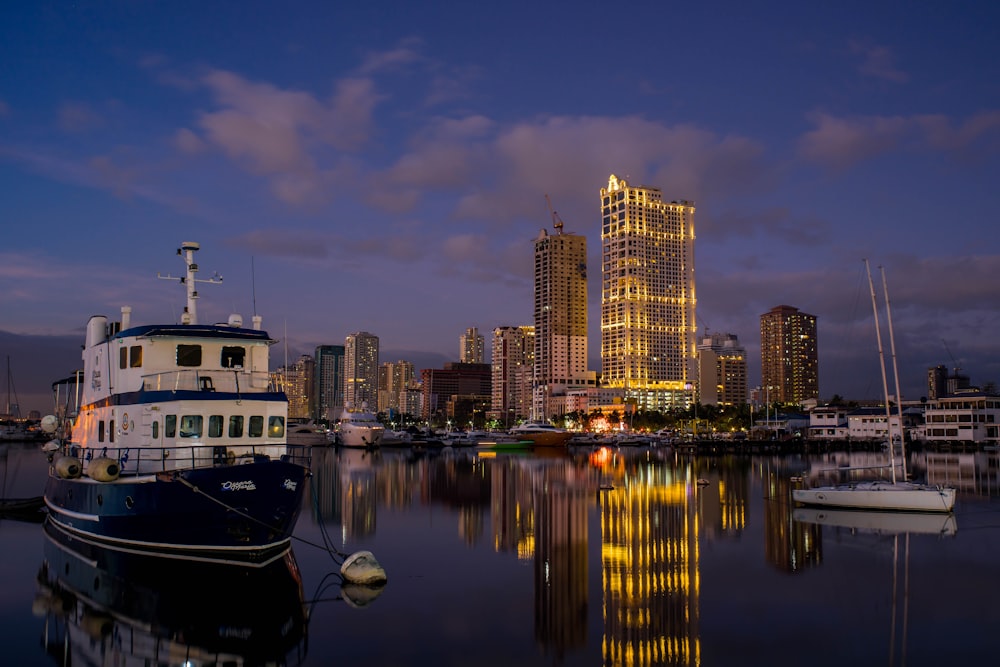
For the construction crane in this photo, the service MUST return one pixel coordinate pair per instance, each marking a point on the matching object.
(955, 367)
(557, 222)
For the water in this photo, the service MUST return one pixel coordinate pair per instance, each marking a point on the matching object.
(502, 559)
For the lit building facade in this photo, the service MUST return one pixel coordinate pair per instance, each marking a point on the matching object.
(512, 370)
(361, 370)
(789, 356)
(647, 296)
(393, 380)
(296, 381)
(472, 346)
(329, 393)
(722, 370)
(560, 319)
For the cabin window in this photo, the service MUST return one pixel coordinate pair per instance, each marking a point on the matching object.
(111, 430)
(170, 426)
(256, 429)
(233, 357)
(189, 355)
(156, 430)
(215, 426)
(236, 426)
(275, 427)
(191, 426)
(135, 356)
(100, 431)
(122, 357)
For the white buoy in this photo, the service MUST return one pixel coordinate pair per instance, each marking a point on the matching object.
(362, 568)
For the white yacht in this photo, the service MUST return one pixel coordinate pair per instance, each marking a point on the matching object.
(359, 428)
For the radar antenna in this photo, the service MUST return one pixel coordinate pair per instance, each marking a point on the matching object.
(187, 251)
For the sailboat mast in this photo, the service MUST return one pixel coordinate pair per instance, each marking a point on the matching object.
(885, 382)
(895, 373)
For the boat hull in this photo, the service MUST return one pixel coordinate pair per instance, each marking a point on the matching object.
(554, 439)
(879, 496)
(241, 512)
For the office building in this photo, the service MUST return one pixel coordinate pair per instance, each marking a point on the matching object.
(512, 373)
(789, 356)
(647, 296)
(329, 393)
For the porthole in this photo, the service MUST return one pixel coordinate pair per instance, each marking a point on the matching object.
(129, 503)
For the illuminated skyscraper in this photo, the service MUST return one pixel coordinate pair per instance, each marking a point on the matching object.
(560, 319)
(329, 381)
(647, 295)
(361, 370)
(471, 347)
(789, 359)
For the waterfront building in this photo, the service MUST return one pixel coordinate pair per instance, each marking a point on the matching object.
(512, 370)
(560, 319)
(968, 417)
(450, 392)
(472, 346)
(647, 295)
(361, 370)
(789, 355)
(722, 370)
(329, 392)
(393, 379)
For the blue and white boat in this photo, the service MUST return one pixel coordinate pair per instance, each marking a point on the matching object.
(179, 444)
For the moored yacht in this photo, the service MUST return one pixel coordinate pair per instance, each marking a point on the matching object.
(542, 434)
(359, 428)
(179, 443)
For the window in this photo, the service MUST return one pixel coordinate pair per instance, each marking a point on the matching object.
(215, 426)
(170, 426)
(189, 355)
(100, 431)
(191, 426)
(256, 429)
(122, 356)
(236, 426)
(111, 430)
(135, 356)
(233, 357)
(275, 427)
(156, 430)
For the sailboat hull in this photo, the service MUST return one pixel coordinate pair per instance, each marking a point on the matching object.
(901, 496)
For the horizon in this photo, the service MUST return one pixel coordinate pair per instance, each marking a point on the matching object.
(385, 167)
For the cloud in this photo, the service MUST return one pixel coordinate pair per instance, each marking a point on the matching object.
(878, 62)
(187, 141)
(78, 117)
(406, 53)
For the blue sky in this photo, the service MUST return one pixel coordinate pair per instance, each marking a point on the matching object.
(383, 166)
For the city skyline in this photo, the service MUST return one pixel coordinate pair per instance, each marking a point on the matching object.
(383, 168)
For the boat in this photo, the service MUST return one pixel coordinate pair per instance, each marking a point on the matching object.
(179, 445)
(306, 433)
(893, 494)
(102, 607)
(542, 434)
(359, 428)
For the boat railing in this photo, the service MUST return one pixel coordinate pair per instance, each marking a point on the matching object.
(233, 381)
(153, 460)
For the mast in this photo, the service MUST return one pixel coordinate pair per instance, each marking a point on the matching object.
(895, 372)
(885, 383)
(187, 251)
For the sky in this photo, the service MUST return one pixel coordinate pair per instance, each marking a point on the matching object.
(385, 167)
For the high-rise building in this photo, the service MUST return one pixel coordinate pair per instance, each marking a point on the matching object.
(361, 370)
(458, 393)
(560, 319)
(393, 380)
(789, 358)
(329, 398)
(647, 296)
(722, 370)
(512, 373)
(297, 382)
(472, 346)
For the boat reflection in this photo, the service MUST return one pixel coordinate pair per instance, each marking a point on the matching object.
(880, 523)
(104, 607)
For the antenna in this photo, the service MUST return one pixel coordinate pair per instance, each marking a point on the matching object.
(253, 286)
(187, 250)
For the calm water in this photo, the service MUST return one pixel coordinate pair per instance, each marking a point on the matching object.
(521, 559)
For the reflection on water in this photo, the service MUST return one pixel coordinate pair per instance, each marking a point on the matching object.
(104, 607)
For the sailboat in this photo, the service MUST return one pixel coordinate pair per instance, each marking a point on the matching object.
(895, 494)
